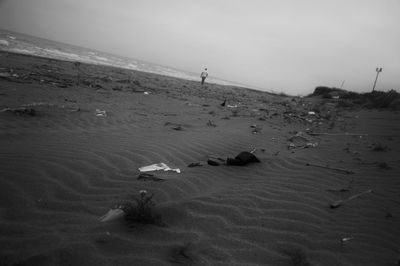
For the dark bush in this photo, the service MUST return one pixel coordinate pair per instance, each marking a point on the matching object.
(375, 99)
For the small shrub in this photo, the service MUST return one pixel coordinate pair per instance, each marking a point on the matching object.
(142, 211)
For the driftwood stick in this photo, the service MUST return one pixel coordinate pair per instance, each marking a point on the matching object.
(335, 134)
(338, 203)
(332, 168)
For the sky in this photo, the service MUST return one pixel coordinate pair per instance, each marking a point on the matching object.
(289, 46)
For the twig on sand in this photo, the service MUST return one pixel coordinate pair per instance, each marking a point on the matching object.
(332, 168)
(335, 134)
(339, 203)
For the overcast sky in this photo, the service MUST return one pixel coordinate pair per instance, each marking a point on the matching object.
(285, 45)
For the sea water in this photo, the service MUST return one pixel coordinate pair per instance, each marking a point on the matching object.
(29, 45)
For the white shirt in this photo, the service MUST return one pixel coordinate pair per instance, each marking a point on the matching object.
(204, 74)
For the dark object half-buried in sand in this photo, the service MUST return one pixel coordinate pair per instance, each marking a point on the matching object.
(243, 158)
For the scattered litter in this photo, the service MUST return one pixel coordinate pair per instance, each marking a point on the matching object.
(157, 167)
(311, 113)
(305, 146)
(20, 111)
(194, 164)
(5, 75)
(311, 144)
(211, 123)
(299, 136)
(101, 113)
(232, 106)
(146, 93)
(298, 141)
(76, 109)
(332, 168)
(346, 239)
(177, 128)
(174, 126)
(112, 214)
(243, 158)
(291, 146)
(145, 176)
(256, 129)
(338, 203)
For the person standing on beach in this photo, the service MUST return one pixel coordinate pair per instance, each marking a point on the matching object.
(203, 76)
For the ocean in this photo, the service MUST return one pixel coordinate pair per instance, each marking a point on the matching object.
(29, 45)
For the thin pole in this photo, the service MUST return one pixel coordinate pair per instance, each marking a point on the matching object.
(378, 70)
(341, 86)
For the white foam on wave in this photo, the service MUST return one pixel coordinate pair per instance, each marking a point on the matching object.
(61, 53)
(132, 66)
(22, 51)
(4, 42)
(101, 58)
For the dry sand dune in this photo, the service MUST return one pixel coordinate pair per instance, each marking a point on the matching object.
(63, 166)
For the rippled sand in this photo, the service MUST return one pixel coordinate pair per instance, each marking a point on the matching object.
(64, 167)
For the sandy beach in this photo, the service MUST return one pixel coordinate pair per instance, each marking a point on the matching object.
(73, 137)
